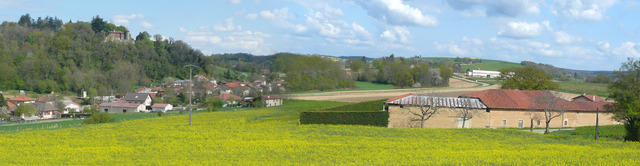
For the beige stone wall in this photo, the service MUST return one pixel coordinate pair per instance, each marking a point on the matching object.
(445, 118)
(448, 118)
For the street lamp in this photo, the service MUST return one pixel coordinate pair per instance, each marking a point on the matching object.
(190, 85)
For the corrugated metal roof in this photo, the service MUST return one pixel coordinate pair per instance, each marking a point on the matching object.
(452, 102)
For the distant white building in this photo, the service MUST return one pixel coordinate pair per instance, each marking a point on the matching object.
(121, 107)
(272, 100)
(70, 106)
(161, 107)
(483, 73)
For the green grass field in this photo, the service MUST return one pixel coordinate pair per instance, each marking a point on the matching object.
(360, 85)
(614, 132)
(584, 87)
(273, 137)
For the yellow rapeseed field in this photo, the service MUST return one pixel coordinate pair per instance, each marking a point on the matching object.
(273, 137)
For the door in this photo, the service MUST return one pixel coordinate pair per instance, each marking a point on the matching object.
(520, 124)
(467, 124)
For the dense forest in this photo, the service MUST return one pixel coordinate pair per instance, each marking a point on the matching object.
(45, 55)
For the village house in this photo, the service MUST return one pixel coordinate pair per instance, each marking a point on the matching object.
(499, 108)
(229, 99)
(272, 100)
(45, 110)
(121, 107)
(483, 74)
(21, 99)
(161, 107)
(70, 106)
(138, 98)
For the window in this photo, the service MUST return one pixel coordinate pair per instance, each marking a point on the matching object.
(538, 122)
(106, 110)
(566, 122)
(520, 124)
(124, 111)
(504, 122)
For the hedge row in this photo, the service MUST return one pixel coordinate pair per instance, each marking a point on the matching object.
(378, 118)
(368, 106)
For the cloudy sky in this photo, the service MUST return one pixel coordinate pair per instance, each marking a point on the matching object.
(578, 34)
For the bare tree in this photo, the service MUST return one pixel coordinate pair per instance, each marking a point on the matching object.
(426, 110)
(553, 107)
(534, 116)
(465, 112)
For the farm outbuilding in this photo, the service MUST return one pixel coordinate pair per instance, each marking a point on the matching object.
(500, 108)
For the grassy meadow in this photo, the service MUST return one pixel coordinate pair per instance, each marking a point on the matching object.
(273, 137)
(359, 85)
(584, 87)
(613, 132)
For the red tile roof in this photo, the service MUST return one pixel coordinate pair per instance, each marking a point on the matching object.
(233, 84)
(592, 98)
(159, 105)
(21, 98)
(529, 100)
(11, 105)
(399, 97)
(230, 97)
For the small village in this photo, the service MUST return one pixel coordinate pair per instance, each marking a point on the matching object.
(258, 93)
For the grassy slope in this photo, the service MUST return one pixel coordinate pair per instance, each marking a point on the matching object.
(615, 132)
(273, 137)
(359, 86)
(484, 65)
(584, 87)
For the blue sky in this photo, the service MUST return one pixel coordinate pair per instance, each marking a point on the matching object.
(577, 34)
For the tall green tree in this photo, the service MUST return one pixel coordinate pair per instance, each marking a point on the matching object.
(625, 91)
(527, 78)
(3, 102)
(98, 24)
(25, 109)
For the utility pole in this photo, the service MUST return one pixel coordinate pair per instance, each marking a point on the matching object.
(597, 134)
(190, 90)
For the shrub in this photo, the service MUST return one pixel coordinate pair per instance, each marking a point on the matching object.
(160, 113)
(98, 118)
(380, 118)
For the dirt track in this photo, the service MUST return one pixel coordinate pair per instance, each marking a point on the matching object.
(457, 87)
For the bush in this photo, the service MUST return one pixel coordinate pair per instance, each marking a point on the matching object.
(98, 118)
(380, 118)
(160, 113)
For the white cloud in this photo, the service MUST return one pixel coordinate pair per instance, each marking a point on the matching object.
(451, 48)
(182, 29)
(122, 19)
(564, 38)
(628, 49)
(396, 12)
(586, 10)
(510, 8)
(604, 46)
(233, 41)
(226, 26)
(146, 25)
(282, 14)
(396, 34)
(235, 1)
(326, 23)
(521, 29)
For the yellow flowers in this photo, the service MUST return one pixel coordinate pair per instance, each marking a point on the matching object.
(273, 137)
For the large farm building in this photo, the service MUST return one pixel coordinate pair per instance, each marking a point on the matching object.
(498, 108)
